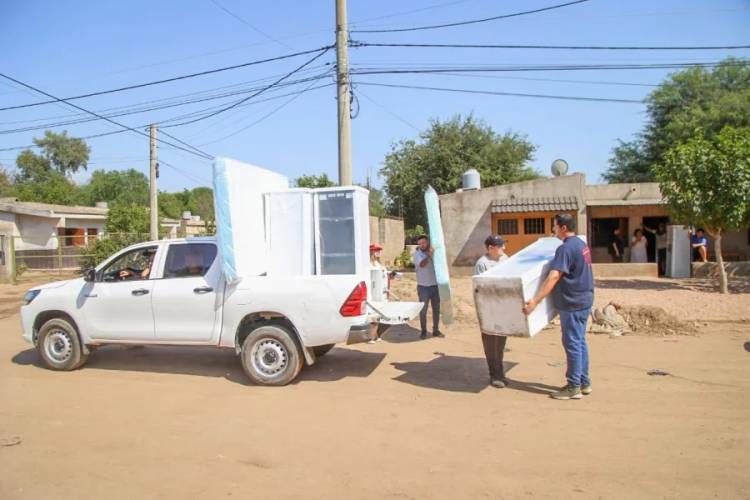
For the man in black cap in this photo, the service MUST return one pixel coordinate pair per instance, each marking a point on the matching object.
(494, 345)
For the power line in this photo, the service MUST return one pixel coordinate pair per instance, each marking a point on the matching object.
(138, 110)
(472, 21)
(506, 94)
(407, 12)
(245, 99)
(57, 99)
(269, 114)
(562, 67)
(545, 47)
(248, 24)
(184, 174)
(392, 113)
(168, 80)
(555, 80)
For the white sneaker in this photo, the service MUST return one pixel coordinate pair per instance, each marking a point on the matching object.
(371, 341)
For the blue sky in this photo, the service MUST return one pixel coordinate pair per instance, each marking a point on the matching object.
(75, 47)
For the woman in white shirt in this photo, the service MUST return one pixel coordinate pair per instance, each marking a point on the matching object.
(638, 247)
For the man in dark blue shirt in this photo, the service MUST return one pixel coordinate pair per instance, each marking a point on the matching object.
(571, 282)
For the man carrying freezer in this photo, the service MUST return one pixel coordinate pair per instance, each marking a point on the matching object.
(427, 287)
(494, 345)
(571, 282)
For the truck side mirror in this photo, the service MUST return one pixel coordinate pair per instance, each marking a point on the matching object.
(89, 275)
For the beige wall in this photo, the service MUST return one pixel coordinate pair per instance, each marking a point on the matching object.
(467, 216)
(388, 232)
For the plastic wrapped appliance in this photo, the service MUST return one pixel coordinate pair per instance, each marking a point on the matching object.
(289, 232)
(342, 230)
(678, 252)
(240, 215)
(501, 292)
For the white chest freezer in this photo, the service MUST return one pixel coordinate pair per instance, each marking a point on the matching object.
(501, 292)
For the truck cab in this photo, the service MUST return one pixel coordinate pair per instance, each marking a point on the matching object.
(174, 292)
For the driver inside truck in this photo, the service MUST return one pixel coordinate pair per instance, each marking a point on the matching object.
(128, 274)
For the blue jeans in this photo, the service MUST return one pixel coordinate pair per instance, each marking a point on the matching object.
(429, 295)
(574, 341)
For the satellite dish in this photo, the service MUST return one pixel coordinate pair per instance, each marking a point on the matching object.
(559, 167)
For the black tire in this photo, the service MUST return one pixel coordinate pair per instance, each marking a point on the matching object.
(59, 345)
(271, 356)
(322, 350)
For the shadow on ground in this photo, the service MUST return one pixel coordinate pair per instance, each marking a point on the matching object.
(211, 362)
(739, 284)
(400, 334)
(447, 373)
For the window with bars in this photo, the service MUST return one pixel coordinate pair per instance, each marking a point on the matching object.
(533, 226)
(507, 226)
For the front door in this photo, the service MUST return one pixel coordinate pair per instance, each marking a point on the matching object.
(118, 305)
(187, 298)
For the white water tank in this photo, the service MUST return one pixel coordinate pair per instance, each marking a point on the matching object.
(102, 204)
(471, 180)
(186, 215)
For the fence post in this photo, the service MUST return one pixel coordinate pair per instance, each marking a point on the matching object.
(59, 255)
(12, 259)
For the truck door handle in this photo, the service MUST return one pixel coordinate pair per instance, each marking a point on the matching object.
(139, 291)
(203, 289)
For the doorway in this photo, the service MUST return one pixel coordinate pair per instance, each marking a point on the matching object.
(652, 223)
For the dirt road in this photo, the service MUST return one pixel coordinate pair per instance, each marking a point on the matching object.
(400, 419)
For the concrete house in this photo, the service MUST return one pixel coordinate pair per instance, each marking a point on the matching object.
(522, 212)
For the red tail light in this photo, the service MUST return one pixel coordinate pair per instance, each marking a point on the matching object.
(355, 303)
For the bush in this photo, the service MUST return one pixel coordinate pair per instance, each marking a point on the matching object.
(404, 260)
(413, 233)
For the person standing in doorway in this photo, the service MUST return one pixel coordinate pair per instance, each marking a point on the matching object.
(494, 345)
(616, 245)
(427, 288)
(571, 283)
(660, 235)
(638, 246)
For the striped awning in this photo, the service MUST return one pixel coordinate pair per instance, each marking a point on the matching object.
(547, 204)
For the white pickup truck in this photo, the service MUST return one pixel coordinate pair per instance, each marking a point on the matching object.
(173, 292)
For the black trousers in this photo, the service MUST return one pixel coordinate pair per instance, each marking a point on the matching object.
(494, 347)
(661, 256)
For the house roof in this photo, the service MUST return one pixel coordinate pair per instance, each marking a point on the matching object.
(12, 205)
(546, 204)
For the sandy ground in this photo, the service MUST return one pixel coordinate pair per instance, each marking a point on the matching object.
(400, 419)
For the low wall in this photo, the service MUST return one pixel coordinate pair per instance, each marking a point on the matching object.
(388, 232)
(711, 269)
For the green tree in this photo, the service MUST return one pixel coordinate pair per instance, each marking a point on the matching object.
(445, 151)
(116, 187)
(7, 188)
(47, 187)
(65, 154)
(377, 202)
(170, 205)
(314, 181)
(689, 100)
(203, 203)
(706, 182)
(128, 218)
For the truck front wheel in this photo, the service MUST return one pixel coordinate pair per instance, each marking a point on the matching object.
(59, 345)
(270, 355)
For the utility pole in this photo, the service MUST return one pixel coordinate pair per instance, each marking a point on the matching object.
(343, 95)
(153, 202)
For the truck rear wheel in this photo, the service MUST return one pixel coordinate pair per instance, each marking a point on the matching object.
(322, 350)
(270, 355)
(59, 345)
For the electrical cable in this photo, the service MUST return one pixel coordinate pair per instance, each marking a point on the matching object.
(57, 99)
(269, 114)
(172, 79)
(248, 24)
(508, 94)
(357, 44)
(153, 108)
(245, 99)
(185, 174)
(472, 21)
(510, 68)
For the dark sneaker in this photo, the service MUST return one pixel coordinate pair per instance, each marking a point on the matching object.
(567, 392)
(498, 383)
(586, 389)
(438, 334)
(423, 335)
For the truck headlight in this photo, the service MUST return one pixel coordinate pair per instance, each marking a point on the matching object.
(31, 295)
